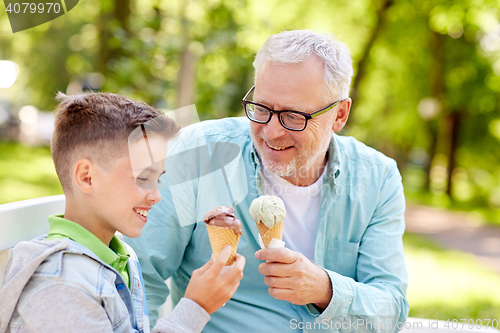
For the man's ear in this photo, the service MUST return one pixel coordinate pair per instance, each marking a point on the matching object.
(82, 173)
(342, 114)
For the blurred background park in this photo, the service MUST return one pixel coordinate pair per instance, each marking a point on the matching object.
(425, 92)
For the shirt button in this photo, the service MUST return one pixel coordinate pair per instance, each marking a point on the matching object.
(120, 286)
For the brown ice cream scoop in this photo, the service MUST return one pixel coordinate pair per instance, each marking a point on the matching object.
(223, 216)
(223, 229)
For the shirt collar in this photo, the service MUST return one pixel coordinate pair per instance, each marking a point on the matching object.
(115, 255)
(334, 157)
(255, 158)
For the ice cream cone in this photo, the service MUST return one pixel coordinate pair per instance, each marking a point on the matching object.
(268, 234)
(220, 237)
(268, 212)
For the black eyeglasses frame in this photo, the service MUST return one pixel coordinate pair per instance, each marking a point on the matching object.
(307, 116)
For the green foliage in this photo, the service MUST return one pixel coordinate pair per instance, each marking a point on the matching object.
(26, 173)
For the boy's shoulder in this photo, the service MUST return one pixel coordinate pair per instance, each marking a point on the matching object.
(60, 261)
(40, 269)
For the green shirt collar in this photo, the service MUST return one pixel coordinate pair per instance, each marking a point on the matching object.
(116, 254)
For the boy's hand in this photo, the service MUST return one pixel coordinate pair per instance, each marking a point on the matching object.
(211, 286)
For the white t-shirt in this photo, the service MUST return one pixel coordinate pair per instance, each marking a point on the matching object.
(302, 208)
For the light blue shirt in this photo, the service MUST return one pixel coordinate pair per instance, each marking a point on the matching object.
(358, 242)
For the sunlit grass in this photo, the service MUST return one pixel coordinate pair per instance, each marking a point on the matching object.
(448, 284)
(26, 173)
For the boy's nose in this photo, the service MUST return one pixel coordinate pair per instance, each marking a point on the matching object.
(154, 195)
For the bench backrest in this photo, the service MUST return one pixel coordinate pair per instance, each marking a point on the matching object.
(24, 220)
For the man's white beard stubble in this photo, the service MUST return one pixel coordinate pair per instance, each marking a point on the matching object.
(300, 166)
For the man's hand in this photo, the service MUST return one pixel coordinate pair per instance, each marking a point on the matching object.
(213, 284)
(292, 277)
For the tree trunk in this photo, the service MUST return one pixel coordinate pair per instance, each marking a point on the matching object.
(187, 72)
(432, 129)
(122, 13)
(454, 120)
(437, 91)
(363, 60)
(185, 78)
(111, 10)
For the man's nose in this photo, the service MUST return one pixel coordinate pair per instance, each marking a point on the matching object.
(273, 129)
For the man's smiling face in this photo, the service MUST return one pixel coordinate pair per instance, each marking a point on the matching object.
(299, 87)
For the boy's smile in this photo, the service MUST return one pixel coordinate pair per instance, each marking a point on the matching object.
(143, 212)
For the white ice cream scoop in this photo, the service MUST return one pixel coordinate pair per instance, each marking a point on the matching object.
(268, 209)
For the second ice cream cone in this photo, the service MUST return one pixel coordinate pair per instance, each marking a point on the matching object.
(220, 237)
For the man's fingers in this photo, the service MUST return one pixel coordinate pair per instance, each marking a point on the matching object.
(278, 282)
(282, 294)
(275, 269)
(282, 255)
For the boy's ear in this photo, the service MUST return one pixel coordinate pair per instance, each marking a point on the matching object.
(82, 173)
(342, 114)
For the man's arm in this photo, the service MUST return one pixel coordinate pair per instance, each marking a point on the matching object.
(377, 298)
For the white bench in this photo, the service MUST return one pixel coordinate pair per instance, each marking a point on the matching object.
(24, 220)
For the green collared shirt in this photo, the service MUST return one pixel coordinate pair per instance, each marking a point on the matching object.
(116, 254)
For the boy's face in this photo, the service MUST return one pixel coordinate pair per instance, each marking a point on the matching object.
(123, 196)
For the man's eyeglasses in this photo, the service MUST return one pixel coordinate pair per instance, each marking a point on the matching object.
(291, 120)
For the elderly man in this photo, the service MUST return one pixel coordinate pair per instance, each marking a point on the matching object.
(342, 268)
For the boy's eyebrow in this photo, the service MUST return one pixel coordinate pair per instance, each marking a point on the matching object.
(150, 169)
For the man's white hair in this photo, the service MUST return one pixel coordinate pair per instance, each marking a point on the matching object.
(290, 47)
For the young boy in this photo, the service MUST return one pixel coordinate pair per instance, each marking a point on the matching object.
(82, 277)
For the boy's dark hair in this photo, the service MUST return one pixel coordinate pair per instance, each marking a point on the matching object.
(97, 126)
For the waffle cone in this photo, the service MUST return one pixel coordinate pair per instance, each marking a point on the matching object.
(220, 237)
(267, 234)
